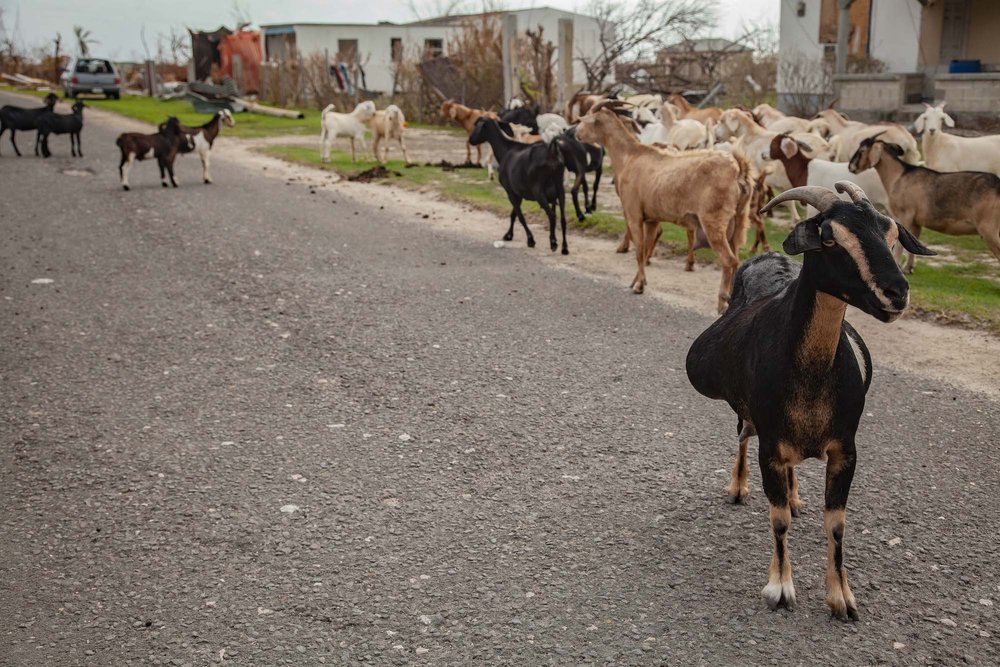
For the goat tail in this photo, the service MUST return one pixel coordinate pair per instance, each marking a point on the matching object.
(329, 109)
(118, 141)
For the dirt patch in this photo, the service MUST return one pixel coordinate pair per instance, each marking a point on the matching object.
(375, 173)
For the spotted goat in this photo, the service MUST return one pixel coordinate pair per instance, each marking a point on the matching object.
(796, 373)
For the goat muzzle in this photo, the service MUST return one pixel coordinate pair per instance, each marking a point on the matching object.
(816, 196)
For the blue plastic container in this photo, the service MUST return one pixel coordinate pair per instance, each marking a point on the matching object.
(965, 66)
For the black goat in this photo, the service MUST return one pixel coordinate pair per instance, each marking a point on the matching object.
(582, 158)
(522, 115)
(528, 171)
(164, 146)
(18, 118)
(795, 373)
(58, 123)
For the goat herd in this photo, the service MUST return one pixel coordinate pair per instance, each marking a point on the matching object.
(781, 354)
(170, 139)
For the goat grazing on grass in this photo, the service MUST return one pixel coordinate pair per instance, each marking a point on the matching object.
(164, 146)
(528, 171)
(796, 373)
(956, 202)
(18, 118)
(57, 123)
(466, 117)
(388, 124)
(950, 152)
(200, 139)
(351, 126)
(706, 189)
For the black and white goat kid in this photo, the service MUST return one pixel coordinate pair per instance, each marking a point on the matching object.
(528, 171)
(58, 123)
(202, 137)
(796, 373)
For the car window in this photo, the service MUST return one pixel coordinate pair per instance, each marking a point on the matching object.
(93, 66)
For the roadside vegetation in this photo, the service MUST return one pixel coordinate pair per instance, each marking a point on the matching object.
(960, 286)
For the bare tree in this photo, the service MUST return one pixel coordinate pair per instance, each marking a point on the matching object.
(635, 31)
(84, 38)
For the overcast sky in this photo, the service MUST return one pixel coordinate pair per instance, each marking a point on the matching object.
(116, 23)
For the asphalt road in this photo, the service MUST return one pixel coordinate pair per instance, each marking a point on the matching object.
(490, 461)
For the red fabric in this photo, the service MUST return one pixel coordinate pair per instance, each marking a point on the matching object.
(246, 44)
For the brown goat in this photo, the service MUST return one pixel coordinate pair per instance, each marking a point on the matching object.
(706, 189)
(581, 103)
(694, 113)
(466, 118)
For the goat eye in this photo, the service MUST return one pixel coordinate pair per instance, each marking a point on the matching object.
(829, 243)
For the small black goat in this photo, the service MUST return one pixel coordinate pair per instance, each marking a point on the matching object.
(581, 159)
(164, 146)
(57, 123)
(795, 373)
(528, 171)
(18, 118)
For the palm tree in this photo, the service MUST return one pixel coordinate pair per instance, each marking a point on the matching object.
(84, 38)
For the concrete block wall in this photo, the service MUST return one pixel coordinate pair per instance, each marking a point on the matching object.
(972, 93)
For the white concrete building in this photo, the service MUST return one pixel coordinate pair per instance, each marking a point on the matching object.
(931, 49)
(376, 45)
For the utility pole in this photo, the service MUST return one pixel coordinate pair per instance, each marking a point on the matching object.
(508, 43)
(565, 83)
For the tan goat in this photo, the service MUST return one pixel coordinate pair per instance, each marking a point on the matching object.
(466, 117)
(687, 111)
(385, 125)
(846, 135)
(706, 189)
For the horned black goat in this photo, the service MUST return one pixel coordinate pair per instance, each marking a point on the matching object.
(796, 373)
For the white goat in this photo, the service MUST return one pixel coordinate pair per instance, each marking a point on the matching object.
(850, 133)
(388, 124)
(776, 121)
(685, 134)
(345, 126)
(949, 152)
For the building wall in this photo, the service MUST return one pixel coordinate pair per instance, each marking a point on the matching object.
(895, 34)
(983, 39)
(375, 41)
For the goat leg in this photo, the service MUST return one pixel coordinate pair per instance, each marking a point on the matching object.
(561, 200)
(779, 591)
(170, 170)
(163, 177)
(575, 191)
(839, 474)
(739, 482)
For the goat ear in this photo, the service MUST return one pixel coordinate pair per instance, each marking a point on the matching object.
(911, 244)
(949, 121)
(918, 124)
(804, 237)
(789, 147)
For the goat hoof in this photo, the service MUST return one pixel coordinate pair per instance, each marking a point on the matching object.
(581, 218)
(738, 498)
(508, 237)
(842, 611)
(208, 182)
(553, 245)
(531, 243)
(637, 289)
(689, 267)
(621, 250)
(796, 509)
(565, 250)
(125, 188)
(779, 595)
(164, 185)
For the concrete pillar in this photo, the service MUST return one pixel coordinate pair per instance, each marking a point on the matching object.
(511, 86)
(564, 84)
(843, 33)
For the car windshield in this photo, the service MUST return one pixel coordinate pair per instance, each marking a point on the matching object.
(93, 66)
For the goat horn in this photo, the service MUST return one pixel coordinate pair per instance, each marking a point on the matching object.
(816, 196)
(853, 191)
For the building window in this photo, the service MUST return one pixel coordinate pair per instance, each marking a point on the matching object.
(396, 48)
(433, 48)
(347, 50)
